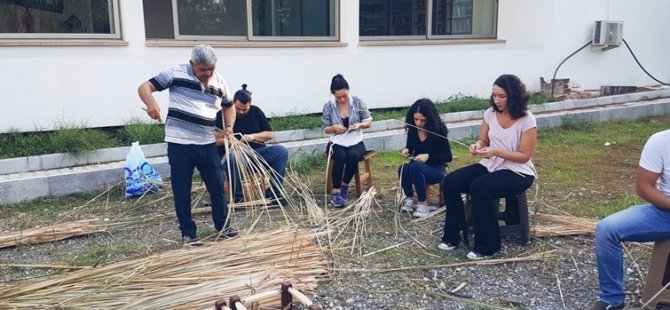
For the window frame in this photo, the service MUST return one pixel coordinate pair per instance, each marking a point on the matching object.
(429, 29)
(115, 22)
(250, 37)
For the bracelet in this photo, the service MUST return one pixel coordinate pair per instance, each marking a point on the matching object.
(229, 126)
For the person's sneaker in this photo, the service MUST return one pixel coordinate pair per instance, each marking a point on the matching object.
(336, 200)
(446, 246)
(421, 210)
(407, 205)
(344, 191)
(472, 255)
(188, 240)
(601, 305)
(229, 233)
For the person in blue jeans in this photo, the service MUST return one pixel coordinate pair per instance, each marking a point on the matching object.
(428, 149)
(641, 223)
(254, 128)
(197, 92)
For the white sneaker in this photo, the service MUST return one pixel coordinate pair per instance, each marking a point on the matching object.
(407, 205)
(446, 246)
(421, 210)
(476, 256)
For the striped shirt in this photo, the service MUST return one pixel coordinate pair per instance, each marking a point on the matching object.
(358, 113)
(193, 107)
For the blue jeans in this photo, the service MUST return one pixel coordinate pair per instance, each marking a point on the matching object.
(183, 158)
(641, 223)
(276, 157)
(419, 174)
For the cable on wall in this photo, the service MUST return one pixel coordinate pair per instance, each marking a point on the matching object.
(639, 64)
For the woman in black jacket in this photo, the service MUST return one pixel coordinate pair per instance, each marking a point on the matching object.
(428, 150)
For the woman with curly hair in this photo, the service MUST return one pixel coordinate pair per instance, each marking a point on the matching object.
(507, 140)
(428, 149)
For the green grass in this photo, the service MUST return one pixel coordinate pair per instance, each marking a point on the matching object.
(140, 130)
(76, 139)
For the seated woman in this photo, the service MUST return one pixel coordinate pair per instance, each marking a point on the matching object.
(507, 140)
(343, 118)
(253, 127)
(428, 149)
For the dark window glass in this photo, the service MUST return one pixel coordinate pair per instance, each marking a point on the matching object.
(57, 16)
(158, 20)
(212, 17)
(392, 17)
(452, 17)
(293, 18)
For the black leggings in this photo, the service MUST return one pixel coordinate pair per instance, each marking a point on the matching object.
(484, 188)
(345, 162)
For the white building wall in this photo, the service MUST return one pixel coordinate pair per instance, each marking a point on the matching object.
(96, 86)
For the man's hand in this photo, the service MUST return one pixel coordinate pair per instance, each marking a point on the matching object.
(404, 152)
(154, 111)
(228, 131)
(248, 138)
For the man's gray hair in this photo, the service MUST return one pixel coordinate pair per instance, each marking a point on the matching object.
(203, 55)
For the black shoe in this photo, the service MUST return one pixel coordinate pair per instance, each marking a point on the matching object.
(601, 305)
(190, 240)
(229, 233)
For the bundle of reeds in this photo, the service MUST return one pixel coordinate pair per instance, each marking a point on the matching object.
(350, 224)
(257, 177)
(188, 278)
(315, 213)
(50, 233)
(563, 225)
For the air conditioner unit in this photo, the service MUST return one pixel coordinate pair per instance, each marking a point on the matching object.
(607, 34)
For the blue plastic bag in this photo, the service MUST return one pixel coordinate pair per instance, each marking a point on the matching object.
(140, 175)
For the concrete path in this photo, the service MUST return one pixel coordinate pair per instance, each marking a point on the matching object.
(61, 174)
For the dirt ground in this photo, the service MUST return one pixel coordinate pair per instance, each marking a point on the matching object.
(396, 265)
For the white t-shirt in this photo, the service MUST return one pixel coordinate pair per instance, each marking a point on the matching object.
(508, 139)
(656, 158)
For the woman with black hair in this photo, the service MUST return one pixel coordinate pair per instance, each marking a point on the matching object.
(343, 118)
(507, 141)
(428, 149)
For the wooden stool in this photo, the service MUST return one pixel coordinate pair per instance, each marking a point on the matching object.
(358, 177)
(515, 207)
(440, 195)
(658, 275)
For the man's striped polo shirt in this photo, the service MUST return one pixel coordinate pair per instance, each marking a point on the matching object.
(193, 107)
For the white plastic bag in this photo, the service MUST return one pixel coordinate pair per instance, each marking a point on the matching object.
(140, 175)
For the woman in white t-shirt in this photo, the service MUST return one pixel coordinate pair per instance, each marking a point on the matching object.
(506, 143)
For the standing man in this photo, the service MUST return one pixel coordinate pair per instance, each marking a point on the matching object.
(641, 223)
(196, 93)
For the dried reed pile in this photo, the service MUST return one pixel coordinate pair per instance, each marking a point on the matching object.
(315, 213)
(50, 233)
(189, 278)
(564, 225)
(351, 224)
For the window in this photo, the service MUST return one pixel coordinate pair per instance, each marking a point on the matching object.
(241, 20)
(427, 19)
(53, 19)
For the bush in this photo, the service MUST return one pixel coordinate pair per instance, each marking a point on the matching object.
(139, 130)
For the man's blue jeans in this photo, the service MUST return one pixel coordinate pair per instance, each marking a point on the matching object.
(419, 174)
(641, 223)
(276, 157)
(183, 158)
